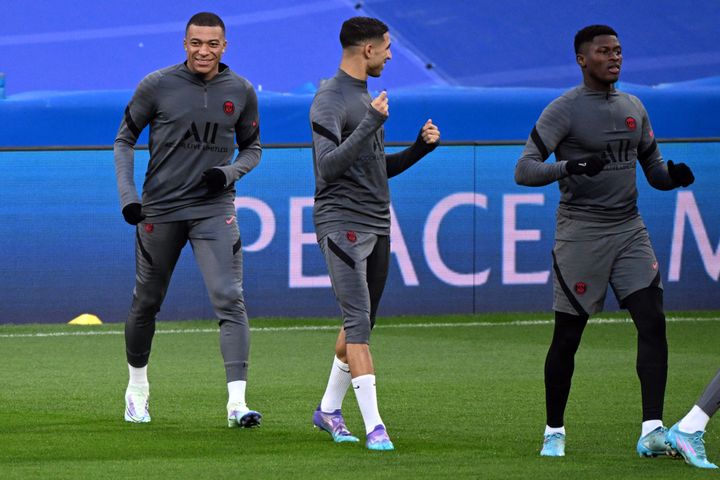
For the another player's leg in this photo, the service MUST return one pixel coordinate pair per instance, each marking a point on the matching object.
(646, 308)
(581, 271)
(686, 436)
(377, 267)
(217, 248)
(346, 255)
(157, 248)
(559, 368)
(328, 415)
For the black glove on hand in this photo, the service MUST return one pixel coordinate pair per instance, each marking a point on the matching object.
(133, 213)
(590, 166)
(423, 146)
(214, 178)
(680, 174)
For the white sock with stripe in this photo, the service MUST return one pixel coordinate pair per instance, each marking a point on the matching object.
(337, 387)
(366, 395)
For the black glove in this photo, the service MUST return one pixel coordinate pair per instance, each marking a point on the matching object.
(589, 166)
(425, 147)
(133, 213)
(680, 174)
(214, 178)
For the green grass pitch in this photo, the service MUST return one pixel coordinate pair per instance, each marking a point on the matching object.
(462, 397)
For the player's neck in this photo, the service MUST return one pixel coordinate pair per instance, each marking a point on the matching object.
(354, 68)
(598, 86)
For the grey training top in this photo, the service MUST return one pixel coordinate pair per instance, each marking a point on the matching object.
(193, 127)
(583, 123)
(350, 165)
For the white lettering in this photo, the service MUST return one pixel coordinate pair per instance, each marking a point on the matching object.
(687, 206)
(298, 238)
(430, 240)
(267, 221)
(399, 248)
(511, 237)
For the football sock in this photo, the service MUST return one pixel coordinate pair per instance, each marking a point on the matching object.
(366, 395)
(138, 376)
(337, 386)
(236, 393)
(550, 430)
(650, 425)
(695, 421)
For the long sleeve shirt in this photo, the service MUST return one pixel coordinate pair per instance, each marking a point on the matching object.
(194, 125)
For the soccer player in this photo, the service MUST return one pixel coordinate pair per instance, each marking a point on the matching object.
(686, 436)
(196, 110)
(352, 215)
(599, 136)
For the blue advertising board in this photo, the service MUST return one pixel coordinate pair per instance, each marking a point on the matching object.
(465, 237)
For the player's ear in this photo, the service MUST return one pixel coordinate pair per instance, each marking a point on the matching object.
(367, 49)
(580, 59)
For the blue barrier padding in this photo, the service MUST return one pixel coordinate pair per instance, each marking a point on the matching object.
(686, 110)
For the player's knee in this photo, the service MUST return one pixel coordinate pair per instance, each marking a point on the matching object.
(146, 304)
(358, 332)
(229, 299)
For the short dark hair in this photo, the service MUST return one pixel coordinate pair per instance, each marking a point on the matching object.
(355, 30)
(588, 33)
(205, 19)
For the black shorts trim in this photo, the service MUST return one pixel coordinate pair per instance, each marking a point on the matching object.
(568, 293)
(341, 254)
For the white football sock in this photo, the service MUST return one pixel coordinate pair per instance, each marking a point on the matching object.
(366, 395)
(337, 386)
(650, 425)
(550, 430)
(138, 376)
(695, 421)
(236, 393)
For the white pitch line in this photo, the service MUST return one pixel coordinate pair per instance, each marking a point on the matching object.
(313, 328)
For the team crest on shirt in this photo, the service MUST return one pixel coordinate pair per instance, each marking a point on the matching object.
(631, 123)
(580, 288)
(229, 107)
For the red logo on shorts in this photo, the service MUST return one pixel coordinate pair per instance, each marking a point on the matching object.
(631, 123)
(351, 236)
(580, 288)
(229, 107)
(149, 227)
(654, 265)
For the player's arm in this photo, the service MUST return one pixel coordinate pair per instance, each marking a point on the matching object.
(427, 140)
(553, 125)
(660, 175)
(247, 134)
(138, 114)
(327, 116)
